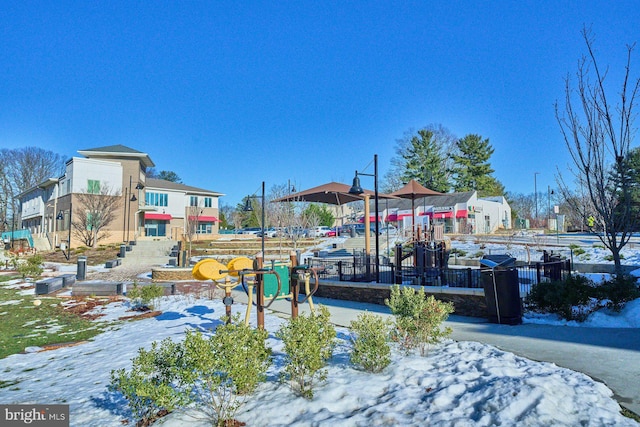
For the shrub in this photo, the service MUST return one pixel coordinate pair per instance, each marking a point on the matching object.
(569, 298)
(458, 252)
(578, 251)
(478, 254)
(147, 295)
(308, 344)
(418, 319)
(150, 386)
(211, 372)
(32, 267)
(369, 335)
(618, 290)
(225, 367)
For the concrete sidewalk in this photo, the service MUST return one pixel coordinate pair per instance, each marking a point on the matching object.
(611, 356)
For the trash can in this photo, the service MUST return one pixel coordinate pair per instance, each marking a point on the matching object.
(502, 295)
(352, 231)
(123, 251)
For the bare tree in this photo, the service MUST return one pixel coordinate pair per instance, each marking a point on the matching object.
(598, 135)
(96, 211)
(191, 223)
(24, 168)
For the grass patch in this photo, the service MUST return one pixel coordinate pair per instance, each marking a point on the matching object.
(627, 413)
(26, 325)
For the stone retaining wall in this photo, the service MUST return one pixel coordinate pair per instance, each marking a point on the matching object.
(161, 274)
(467, 302)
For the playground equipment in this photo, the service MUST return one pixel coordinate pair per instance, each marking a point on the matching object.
(275, 281)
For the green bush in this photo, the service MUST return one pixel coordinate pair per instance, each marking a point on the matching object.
(147, 295)
(308, 344)
(213, 373)
(458, 252)
(478, 254)
(224, 368)
(418, 318)
(618, 290)
(568, 298)
(575, 297)
(369, 335)
(31, 267)
(153, 383)
(578, 251)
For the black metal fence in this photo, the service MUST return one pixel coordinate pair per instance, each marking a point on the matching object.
(363, 269)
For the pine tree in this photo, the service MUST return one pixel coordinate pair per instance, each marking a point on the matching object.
(472, 170)
(425, 162)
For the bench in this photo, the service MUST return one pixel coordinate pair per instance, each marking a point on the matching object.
(68, 279)
(96, 288)
(49, 285)
(112, 263)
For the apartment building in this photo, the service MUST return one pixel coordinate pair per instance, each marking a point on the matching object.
(147, 208)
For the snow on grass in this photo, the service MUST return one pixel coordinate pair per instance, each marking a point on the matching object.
(458, 383)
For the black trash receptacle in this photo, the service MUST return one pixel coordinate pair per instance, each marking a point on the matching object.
(502, 294)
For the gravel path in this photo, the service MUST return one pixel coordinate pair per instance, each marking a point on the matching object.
(124, 273)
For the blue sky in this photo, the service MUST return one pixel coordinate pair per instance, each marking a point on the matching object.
(229, 94)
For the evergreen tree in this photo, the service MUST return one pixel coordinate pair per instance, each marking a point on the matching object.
(425, 162)
(472, 170)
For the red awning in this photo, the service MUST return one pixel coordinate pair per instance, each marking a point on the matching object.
(162, 217)
(203, 218)
(371, 219)
(440, 215)
(462, 213)
(429, 214)
(392, 217)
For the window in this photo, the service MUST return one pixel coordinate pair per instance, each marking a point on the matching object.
(156, 199)
(204, 228)
(193, 201)
(93, 186)
(207, 202)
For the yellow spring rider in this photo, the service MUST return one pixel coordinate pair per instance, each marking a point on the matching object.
(276, 281)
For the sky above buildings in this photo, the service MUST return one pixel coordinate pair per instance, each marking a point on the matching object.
(229, 94)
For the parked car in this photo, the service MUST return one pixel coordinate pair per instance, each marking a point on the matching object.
(295, 232)
(359, 229)
(271, 232)
(319, 231)
(332, 232)
(250, 230)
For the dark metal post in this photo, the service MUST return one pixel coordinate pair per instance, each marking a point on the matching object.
(82, 268)
(375, 179)
(263, 253)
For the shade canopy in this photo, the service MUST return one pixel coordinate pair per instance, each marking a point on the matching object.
(333, 193)
(414, 190)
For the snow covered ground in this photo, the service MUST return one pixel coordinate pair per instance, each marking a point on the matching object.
(458, 383)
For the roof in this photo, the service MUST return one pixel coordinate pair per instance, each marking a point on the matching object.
(446, 199)
(163, 184)
(117, 151)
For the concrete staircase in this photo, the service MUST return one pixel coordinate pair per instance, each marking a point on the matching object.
(149, 252)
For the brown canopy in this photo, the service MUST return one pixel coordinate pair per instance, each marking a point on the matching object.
(333, 193)
(414, 190)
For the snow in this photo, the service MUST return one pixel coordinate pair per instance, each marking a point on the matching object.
(458, 383)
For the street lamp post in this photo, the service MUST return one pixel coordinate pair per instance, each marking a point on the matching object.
(60, 216)
(249, 208)
(535, 193)
(357, 189)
